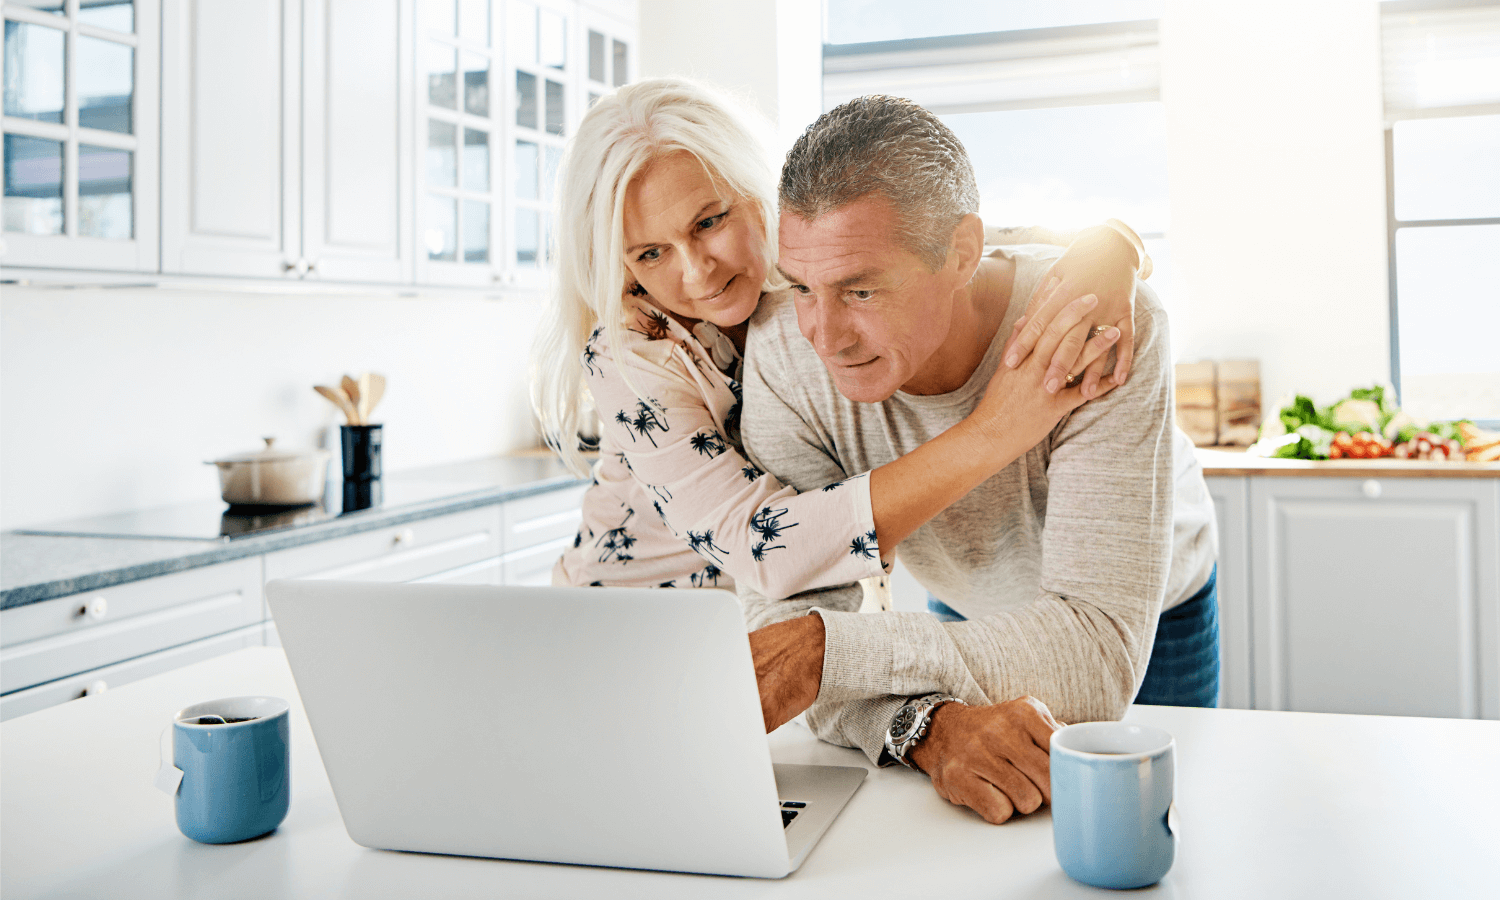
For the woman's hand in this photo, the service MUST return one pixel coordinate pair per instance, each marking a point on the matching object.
(1101, 262)
(1013, 405)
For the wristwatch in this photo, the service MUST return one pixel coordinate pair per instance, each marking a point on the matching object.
(910, 724)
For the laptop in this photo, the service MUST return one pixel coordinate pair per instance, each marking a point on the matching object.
(596, 726)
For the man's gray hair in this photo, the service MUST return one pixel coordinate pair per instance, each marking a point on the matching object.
(892, 147)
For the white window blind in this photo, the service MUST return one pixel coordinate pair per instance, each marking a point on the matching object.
(1440, 58)
(1039, 68)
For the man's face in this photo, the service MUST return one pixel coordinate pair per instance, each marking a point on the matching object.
(872, 309)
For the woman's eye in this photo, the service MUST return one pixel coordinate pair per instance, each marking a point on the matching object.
(711, 221)
(649, 256)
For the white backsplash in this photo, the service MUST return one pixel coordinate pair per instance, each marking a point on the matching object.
(111, 399)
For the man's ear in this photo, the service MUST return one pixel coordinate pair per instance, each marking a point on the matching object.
(967, 247)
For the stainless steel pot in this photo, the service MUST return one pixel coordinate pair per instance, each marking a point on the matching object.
(273, 477)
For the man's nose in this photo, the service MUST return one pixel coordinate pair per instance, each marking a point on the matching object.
(825, 324)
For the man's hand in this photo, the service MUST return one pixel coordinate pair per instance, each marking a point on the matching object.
(788, 667)
(992, 759)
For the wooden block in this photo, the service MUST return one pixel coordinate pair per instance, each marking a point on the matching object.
(1197, 402)
(1239, 402)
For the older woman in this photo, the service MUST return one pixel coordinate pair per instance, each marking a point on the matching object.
(666, 244)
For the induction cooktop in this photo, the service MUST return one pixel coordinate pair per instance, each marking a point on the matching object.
(212, 520)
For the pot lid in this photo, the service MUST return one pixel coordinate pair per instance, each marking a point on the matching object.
(272, 453)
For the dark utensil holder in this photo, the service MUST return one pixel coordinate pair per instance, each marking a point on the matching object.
(361, 495)
(361, 445)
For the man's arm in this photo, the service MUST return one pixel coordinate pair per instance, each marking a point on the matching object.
(1081, 647)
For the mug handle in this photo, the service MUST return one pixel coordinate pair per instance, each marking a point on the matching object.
(1171, 818)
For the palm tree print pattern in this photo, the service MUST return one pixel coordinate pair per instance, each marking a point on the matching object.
(708, 576)
(654, 325)
(864, 545)
(615, 542)
(767, 523)
(750, 472)
(709, 443)
(646, 420)
(702, 543)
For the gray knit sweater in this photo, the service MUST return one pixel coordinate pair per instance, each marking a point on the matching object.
(1062, 562)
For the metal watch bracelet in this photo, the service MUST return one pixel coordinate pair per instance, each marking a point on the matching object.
(910, 723)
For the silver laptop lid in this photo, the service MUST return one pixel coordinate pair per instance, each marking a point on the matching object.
(600, 726)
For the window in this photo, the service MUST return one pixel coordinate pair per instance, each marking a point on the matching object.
(1442, 106)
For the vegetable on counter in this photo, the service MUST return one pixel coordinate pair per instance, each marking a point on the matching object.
(1365, 425)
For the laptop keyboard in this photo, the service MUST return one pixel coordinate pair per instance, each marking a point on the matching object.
(789, 810)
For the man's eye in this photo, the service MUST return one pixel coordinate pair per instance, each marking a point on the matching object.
(861, 295)
(801, 289)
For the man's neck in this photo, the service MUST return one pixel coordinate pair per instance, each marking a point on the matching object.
(978, 309)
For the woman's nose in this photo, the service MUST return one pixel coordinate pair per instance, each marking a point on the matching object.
(697, 267)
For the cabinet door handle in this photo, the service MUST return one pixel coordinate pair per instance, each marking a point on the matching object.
(95, 687)
(1371, 488)
(404, 537)
(95, 609)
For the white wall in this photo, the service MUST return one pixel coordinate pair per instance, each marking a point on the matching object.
(767, 52)
(111, 399)
(1277, 173)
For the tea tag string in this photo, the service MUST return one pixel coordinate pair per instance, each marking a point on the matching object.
(168, 776)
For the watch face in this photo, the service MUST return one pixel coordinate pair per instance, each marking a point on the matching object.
(901, 726)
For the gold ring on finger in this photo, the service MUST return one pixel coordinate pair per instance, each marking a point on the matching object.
(1097, 330)
(1072, 379)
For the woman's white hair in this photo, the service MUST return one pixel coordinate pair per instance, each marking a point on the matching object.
(623, 132)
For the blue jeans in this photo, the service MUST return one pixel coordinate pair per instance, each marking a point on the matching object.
(1184, 666)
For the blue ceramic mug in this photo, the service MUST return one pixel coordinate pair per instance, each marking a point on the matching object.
(1113, 822)
(236, 777)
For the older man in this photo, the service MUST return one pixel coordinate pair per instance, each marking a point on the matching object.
(1057, 570)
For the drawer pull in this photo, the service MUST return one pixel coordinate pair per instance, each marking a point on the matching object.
(95, 609)
(404, 537)
(1371, 488)
(96, 687)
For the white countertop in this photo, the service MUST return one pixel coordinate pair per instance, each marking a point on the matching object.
(1273, 804)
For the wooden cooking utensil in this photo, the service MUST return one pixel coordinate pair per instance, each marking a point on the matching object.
(362, 402)
(339, 399)
(373, 394)
(351, 390)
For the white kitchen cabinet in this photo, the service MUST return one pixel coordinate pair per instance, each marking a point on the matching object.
(105, 678)
(1377, 595)
(80, 135)
(356, 167)
(406, 552)
(1231, 496)
(537, 530)
(282, 149)
(60, 638)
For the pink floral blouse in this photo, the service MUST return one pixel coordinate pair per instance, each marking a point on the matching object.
(675, 503)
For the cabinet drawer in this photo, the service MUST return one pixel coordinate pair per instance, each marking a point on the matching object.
(61, 637)
(543, 517)
(62, 690)
(398, 553)
(533, 566)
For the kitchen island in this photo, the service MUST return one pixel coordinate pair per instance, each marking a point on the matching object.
(1272, 804)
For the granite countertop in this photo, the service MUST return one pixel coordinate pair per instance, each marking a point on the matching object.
(35, 566)
(1220, 461)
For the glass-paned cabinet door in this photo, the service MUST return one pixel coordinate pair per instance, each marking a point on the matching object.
(80, 134)
(460, 127)
(609, 41)
(544, 67)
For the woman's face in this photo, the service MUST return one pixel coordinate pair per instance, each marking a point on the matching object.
(698, 255)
